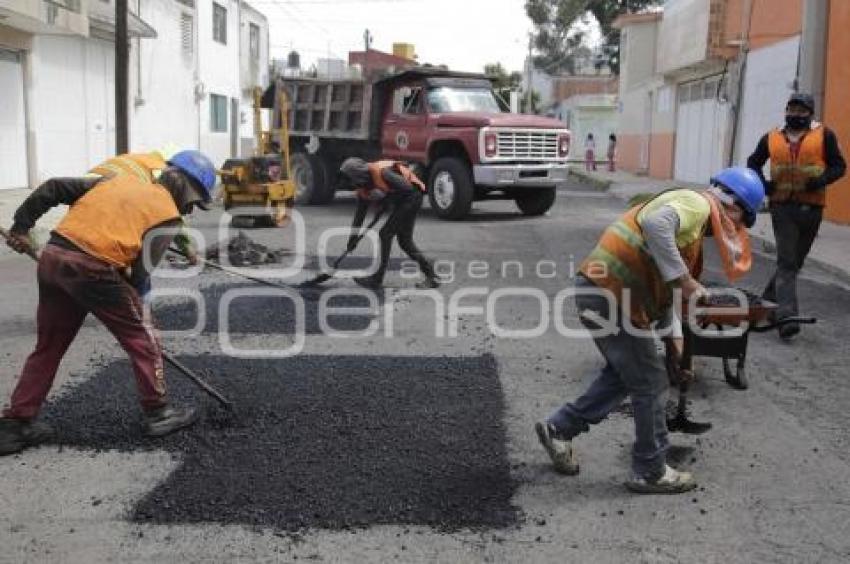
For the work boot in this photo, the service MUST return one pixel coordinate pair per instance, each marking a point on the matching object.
(370, 282)
(671, 482)
(560, 451)
(18, 434)
(164, 420)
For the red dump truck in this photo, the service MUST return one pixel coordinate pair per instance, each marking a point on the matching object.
(449, 125)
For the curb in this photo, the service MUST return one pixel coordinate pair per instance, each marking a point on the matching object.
(598, 183)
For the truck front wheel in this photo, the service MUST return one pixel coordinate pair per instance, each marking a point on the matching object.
(450, 189)
(536, 201)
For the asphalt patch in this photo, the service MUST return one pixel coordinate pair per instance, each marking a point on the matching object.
(331, 442)
(257, 312)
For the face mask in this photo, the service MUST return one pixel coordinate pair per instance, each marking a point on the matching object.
(799, 123)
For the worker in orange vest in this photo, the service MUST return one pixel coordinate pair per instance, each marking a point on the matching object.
(92, 264)
(399, 189)
(804, 159)
(146, 167)
(626, 294)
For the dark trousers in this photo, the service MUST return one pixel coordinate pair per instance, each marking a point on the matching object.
(400, 226)
(72, 284)
(795, 227)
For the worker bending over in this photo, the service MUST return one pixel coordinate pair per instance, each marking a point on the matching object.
(94, 263)
(399, 189)
(640, 260)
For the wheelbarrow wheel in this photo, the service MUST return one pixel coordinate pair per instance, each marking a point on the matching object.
(738, 379)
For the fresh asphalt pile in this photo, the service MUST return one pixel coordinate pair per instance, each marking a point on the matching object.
(261, 313)
(243, 251)
(329, 442)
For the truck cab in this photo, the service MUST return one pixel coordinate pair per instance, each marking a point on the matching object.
(450, 125)
(470, 148)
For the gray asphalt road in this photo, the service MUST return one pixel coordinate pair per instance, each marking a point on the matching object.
(774, 475)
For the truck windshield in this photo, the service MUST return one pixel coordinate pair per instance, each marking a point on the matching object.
(449, 99)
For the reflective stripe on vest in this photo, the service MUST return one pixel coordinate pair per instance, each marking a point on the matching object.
(110, 220)
(621, 260)
(142, 166)
(378, 180)
(790, 175)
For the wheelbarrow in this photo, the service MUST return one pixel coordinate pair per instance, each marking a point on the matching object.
(733, 322)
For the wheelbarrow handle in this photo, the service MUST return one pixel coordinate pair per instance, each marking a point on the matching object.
(784, 321)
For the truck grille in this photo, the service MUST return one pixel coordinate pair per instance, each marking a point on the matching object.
(532, 145)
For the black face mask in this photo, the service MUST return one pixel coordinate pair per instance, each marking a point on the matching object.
(798, 123)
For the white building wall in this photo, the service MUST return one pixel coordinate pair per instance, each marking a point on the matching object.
(254, 74)
(683, 34)
(219, 74)
(71, 119)
(163, 108)
(768, 82)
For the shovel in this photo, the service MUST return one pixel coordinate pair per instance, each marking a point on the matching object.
(325, 276)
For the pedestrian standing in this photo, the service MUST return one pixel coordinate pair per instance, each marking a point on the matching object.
(612, 152)
(589, 153)
(804, 158)
(630, 276)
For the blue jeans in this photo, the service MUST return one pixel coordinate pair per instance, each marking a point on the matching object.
(632, 368)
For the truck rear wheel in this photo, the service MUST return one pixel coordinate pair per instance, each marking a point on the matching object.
(535, 201)
(450, 188)
(312, 180)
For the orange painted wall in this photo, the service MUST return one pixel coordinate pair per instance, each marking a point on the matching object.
(660, 158)
(628, 152)
(836, 108)
(661, 155)
(772, 21)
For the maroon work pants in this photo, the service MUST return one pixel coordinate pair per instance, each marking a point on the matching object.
(72, 284)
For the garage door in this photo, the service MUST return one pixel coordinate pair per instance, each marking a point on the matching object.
(13, 133)
(701, 126)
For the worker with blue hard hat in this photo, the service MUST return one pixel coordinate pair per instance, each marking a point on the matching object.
(93, 263)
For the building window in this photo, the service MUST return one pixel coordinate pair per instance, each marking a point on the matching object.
(254, 41)
(187, 3)
(218, 113)
(219, 24)
(187, 34)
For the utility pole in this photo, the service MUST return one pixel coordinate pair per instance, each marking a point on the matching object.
(122, 76)
(528, 64)
(367, 41)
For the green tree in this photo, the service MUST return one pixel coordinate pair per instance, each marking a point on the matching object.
(559, 44)
(503, 82)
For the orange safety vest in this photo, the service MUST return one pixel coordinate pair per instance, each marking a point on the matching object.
(621, 260)
(378, 180)
(140, 165)
(110, 220)
(789, 175)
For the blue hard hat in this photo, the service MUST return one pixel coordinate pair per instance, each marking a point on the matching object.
(745, 186)
(199, 167)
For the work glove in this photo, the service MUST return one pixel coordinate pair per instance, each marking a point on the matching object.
(814, 184)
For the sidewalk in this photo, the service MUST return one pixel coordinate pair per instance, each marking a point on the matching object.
(9, 202)
(831, 251)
